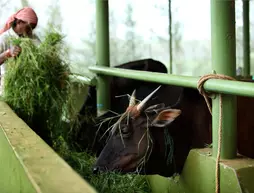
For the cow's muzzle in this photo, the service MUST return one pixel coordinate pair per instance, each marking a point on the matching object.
(96, 170)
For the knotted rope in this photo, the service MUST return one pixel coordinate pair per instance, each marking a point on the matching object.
(200, 87)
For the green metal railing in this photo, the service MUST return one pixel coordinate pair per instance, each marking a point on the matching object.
(102, 54)
(220, 86)
(246, 38)
(223, 62)
(82, 79)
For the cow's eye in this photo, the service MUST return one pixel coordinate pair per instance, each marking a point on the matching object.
(125, 131)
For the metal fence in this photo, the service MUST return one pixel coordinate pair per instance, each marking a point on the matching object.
(223, 62)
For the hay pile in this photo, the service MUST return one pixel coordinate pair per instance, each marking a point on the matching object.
(110, 182)
(37, 88)
(37, 84)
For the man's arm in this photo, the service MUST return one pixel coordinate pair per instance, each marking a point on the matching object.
(12, 52)
(6, 50)
(4, 56)
(3, 49)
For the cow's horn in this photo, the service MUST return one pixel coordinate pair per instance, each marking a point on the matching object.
(143, 102)
(132, 98)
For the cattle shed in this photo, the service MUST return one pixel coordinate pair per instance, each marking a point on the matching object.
(199, 173)
(29, 165)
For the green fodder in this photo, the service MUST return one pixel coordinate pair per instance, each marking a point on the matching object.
(36, 84)
(110, 182)
(37, 88)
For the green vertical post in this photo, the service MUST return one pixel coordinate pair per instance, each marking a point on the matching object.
(102, 54)
(170, 69)
(246, 38)
(224, 62)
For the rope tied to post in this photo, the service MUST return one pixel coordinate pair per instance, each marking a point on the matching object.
(201, 90)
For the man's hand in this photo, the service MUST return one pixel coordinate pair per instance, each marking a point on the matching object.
(15, 50)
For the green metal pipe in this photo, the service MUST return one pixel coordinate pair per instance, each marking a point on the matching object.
(246, 38)
(224, 62)
(83, 80)
(102, 54)
(170, 69)
(215, 85)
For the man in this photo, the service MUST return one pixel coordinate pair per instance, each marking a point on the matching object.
(20, 24)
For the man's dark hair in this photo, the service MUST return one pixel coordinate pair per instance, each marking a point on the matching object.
(14, 23)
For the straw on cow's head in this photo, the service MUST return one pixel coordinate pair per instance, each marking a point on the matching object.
(134, 109)
(130, 143)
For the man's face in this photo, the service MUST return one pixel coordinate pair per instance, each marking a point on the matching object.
(23, 28)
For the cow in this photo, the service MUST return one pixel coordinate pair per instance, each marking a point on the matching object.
(154, 136)
(122, 86)
(120, 89)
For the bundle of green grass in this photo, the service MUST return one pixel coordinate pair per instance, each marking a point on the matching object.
(37, 88)
(37, 85)
(108, 182)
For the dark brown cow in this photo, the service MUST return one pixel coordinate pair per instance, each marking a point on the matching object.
(156, 137)
(120, 88)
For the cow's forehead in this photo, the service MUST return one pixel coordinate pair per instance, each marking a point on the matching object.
(119, 121)
(132, 111)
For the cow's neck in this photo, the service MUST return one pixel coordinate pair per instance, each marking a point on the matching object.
(157, 163)
(190, 130)
(182, 143)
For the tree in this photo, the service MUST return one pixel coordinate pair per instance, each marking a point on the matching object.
(86, 55)
(24, 3)
(90, 45)
(130, 50)
(55, 16)
(114, 42)
(174, 29)
(3, 5)
(130, 34)
(178, 52)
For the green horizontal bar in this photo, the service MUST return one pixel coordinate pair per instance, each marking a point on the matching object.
(83, 80)
(239, 88)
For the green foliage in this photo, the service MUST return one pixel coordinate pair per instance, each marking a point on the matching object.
(37, 84)
(37, 88)
(110, 182)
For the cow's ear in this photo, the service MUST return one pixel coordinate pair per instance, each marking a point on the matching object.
(155, 108)
(165, 117)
